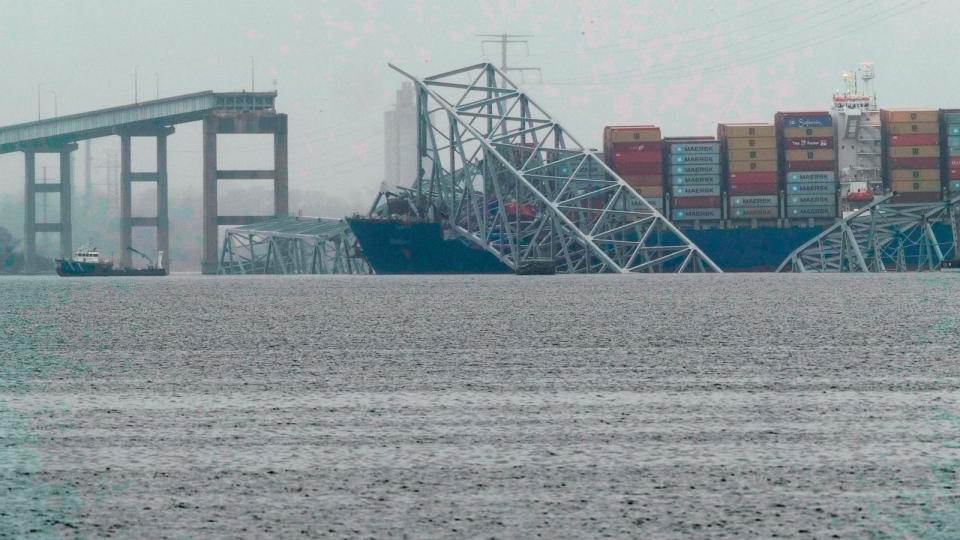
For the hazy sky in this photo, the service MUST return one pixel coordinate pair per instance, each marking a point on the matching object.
(684, 65)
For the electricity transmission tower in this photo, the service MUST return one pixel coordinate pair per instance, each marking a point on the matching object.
(504, 41)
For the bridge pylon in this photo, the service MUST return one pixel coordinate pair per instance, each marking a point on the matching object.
(62, 186)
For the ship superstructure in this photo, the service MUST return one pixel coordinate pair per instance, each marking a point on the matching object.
(857, 124)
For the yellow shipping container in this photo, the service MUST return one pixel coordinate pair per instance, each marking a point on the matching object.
(915, 174)
(908, 116)
(757, 154)
(741, 143)
(916, 186)
(753, 166)
(810, 155)
(747, 130)
(905, 128)
(797, 133)
(631, 134)
(914, 151)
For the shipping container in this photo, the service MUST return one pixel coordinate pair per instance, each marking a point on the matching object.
(754, 189)
(810, 155)
(754, 201)
(754, 178)
(746, 130)
(811, 177)
(810, 166)
(697, 214)
(917, 186)
(625, 134)
(812, 211)
(754, 213)
(804, 120)
(951, 117)
(953, 185)
(700, 180)
(819, 199)
(637, 169)
(627, 158)
(809, 189)
(953, 140)
(633, 147)
(696, 191)
(914, 163)
(953, 151)
(916, 197)
(953, 131)
(914, 139)
(799, 144)
(649, 191)
(915, 174)
(691, 159)
(747, 143)
(954, 173)
(805, 133)
(696, 202)
(752, 166)
(756, 154)
(656, 202)
(906, 129)
(954, 162)
(914, 151)
(688, 170)
(909, 115)
(695, 148)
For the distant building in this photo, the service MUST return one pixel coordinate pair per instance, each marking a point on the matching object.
(400, 139)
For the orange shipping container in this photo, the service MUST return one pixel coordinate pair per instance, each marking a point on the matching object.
(915, 174)
(746, 130)
(914, 151)
(740, 143)
(762, 154)
(629, 134)
(796, 133)
(916, 186)
(906, 115)
(810, 155)
(752, 166)
(915, 127)
(649, 191)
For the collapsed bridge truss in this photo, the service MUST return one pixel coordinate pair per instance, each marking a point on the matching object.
(881, 237)
(291, 245)
(499, 171)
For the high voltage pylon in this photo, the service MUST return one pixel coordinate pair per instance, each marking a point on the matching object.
(504, 41)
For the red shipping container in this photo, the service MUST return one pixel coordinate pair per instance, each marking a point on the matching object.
(914, 139)
(828, 165)
(753, 178)
(916, 163)
(637, 169)
(753, 189)
(954, 173)
(643, 179)
(915, 197)
(696, 202)
(638, 157)
(809, 143)
(618, 148)
(955, 162)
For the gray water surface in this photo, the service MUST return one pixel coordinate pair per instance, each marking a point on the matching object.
(808, 406)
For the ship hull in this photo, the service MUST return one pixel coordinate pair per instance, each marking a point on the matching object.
(67, 268)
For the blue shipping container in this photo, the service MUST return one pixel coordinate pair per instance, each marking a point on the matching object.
(695, 148)
(701, 180)
(695, 169)
(951, 118)
(690, 159)
(807, 121)
(809, 189)
(812, 211)
(811, 177)
(696, 191)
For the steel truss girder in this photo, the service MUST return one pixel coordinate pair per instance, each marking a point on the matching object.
(291, 245)
(881, 237)
(499, 171)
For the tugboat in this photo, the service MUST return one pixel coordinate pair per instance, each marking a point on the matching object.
(87, 262)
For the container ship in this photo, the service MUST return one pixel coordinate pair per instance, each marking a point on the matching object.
(747, 196)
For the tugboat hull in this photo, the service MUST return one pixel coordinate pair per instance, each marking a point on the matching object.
(67, 268)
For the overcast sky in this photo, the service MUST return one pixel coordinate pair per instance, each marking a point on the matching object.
(684, 65)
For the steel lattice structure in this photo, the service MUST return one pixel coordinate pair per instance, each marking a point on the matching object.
(499, 171)
(881, 237)
(291, 245)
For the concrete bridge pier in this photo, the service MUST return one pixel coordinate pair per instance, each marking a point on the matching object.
(31, 188)
(127, 179)
(247, 122)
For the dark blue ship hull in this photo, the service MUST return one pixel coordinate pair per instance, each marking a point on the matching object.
(397, 247)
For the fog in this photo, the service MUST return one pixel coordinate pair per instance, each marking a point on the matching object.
(681, 65)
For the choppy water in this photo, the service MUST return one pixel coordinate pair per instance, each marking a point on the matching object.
(642, 406)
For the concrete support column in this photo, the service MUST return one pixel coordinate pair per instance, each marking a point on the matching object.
(126, 202)
(30, 213)
(66, 204)
(163, 213)
(281, 198)
(210, 231)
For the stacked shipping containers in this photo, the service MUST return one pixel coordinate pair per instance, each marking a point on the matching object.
(808, 162)
(634, 153)
(751, 169)
(911, 154)
(950, 150)
(693, 178)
